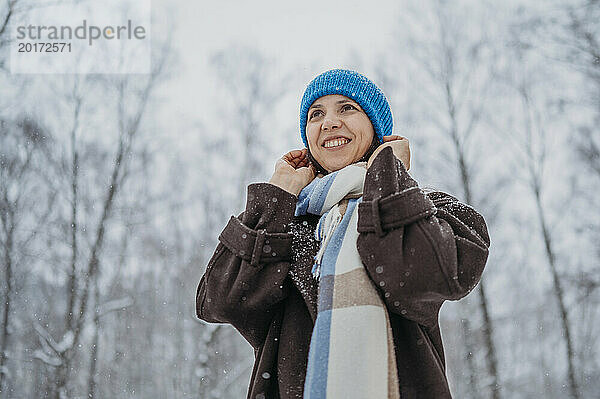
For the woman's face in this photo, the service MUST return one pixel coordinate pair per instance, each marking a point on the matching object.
(338, 131)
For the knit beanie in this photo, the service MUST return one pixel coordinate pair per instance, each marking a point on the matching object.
(360, 89)
(352, 85)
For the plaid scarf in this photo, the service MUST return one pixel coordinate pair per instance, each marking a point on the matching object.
(351, 351)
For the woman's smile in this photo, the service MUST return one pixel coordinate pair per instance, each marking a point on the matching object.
(336, 143)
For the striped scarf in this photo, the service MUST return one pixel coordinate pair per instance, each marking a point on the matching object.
(351, 351)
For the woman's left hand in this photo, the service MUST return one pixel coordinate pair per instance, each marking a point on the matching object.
(400, 147)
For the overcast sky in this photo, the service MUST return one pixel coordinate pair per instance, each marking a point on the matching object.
(315, 35)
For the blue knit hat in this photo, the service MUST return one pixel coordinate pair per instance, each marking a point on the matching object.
(355, 86)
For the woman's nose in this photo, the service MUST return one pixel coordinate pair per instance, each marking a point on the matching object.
(330, 123)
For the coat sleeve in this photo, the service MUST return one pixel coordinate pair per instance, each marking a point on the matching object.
(419, 249)
(245, 279)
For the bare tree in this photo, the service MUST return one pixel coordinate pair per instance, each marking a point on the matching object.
(128, 129)
(25, 148)
(81, 280)
(534, 168)
(6, 13)
(533, 149)
(455, 63)
(239, 151)
(574, 30)
(9, 9)
(580, 40)
(246, 74)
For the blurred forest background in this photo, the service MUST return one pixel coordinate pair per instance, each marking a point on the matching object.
(113, 193)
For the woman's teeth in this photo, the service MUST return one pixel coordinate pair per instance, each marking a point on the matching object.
(335, 143)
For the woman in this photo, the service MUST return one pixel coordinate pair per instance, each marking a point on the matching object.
(336, 271)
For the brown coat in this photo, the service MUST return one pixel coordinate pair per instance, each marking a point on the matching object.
(426, 247)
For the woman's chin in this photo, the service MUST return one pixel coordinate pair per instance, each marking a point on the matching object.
(336, 159)
(332, 167)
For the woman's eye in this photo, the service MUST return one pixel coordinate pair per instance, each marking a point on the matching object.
(347, 106)
(314, 114)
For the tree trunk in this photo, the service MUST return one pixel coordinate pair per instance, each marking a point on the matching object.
(489, 342)
(72, 284)
(559, 294)
(94, 349)
(472, 370)
(7, 302)
(490, 358)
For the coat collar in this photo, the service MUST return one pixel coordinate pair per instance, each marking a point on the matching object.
(384, 177)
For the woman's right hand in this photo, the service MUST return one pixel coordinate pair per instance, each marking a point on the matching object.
(293, 172)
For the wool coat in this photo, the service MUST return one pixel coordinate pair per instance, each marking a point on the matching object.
(420, 248)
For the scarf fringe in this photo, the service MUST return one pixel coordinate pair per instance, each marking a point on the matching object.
(337, 218)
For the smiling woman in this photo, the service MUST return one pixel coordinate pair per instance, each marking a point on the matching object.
(339, 132)
(336, 271)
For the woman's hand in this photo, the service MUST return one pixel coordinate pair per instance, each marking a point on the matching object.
(400, 147)
(293, 172)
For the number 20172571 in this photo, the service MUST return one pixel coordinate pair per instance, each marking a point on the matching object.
(44, 47)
